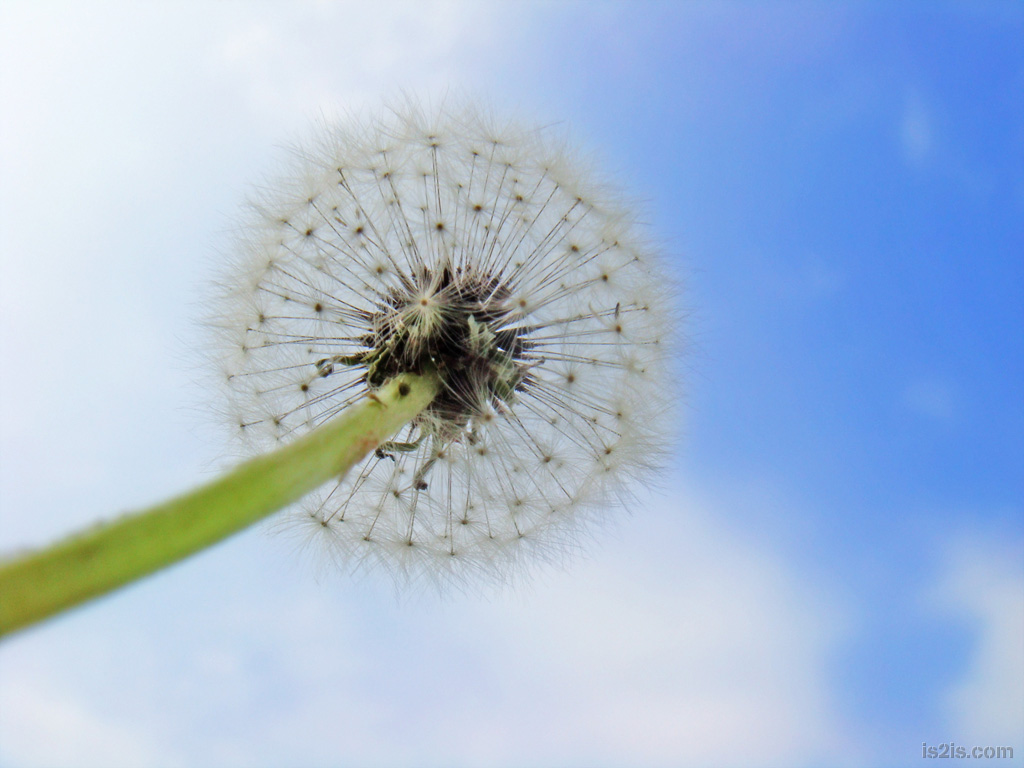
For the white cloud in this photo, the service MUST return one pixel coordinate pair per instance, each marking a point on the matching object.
(679, 644)
(42, 726)
(984, 584)
(330, 57)
(684, 646)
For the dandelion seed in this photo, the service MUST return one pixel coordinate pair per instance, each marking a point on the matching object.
(432, 240)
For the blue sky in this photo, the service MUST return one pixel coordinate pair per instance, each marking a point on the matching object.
(833, 570)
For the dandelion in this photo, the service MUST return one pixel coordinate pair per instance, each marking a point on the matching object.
(443, 242)
(447, 307)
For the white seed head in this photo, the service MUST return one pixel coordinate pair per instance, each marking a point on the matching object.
(438, 239)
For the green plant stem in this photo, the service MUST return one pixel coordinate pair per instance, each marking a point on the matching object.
(41, 583)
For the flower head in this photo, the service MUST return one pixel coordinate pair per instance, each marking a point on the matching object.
(438, 241)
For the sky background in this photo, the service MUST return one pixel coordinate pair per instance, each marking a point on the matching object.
(832, 572)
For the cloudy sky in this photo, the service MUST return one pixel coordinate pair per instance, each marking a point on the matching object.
(832, 572)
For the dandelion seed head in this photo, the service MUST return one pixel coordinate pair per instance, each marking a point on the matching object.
(446, 240)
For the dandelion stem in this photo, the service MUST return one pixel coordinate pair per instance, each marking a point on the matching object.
(41, 583)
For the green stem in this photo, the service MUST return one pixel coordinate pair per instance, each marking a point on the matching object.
(41, 583)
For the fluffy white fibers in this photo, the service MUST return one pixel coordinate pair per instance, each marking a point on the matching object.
(441, 239)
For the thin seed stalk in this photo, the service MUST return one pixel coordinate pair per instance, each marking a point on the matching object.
(44, 582)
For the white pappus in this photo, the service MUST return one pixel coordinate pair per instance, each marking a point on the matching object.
(442, 239)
